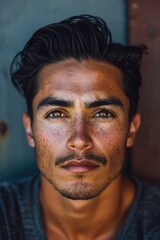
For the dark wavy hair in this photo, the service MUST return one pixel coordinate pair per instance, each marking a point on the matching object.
(80, 37)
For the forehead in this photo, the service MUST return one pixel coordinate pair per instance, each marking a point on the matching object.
(87, 79)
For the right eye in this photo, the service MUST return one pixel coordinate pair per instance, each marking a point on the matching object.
(104, 114)
(55, 114)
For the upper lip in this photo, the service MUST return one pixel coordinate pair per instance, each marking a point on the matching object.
(80, 162)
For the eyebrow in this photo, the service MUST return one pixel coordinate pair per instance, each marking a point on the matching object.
(107, 101)
(53, 101)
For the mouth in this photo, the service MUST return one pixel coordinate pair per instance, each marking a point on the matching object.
(80, 166)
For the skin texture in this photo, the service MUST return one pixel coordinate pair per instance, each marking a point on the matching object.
(80, 147)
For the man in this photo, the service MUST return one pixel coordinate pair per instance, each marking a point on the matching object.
(81, 91)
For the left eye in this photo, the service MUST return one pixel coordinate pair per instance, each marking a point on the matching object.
(104, 114)
(56, 114)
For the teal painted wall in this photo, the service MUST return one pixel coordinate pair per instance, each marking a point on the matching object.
(18, 20)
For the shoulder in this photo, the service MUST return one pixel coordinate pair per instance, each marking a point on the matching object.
(16, 190)
(143, 219)
(147, 201)
(149, 194)
(148, 209)
(16, 203)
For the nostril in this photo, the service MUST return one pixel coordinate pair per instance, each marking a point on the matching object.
(72, 146)
(87, 146)
(79, 145)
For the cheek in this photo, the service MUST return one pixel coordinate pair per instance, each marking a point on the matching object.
(48, 139)
(111, 139)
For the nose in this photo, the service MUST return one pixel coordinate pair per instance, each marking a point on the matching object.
(80, 139)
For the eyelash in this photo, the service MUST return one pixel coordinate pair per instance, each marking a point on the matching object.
(106, 114)
(59, 114)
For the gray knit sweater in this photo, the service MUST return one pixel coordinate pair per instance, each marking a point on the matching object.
(20, 214)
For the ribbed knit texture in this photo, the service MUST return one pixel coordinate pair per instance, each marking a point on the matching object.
(20, 216)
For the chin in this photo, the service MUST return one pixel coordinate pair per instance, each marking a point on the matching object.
(80, 191)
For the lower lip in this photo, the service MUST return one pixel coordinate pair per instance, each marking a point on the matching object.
(80, 169)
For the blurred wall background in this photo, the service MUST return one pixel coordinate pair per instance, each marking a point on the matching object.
(18, 20)
(144, 27)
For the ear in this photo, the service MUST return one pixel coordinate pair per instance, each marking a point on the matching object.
(134, 126)
(28, 129)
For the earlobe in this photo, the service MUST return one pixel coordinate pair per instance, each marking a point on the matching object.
(134, 126)
(28, 129)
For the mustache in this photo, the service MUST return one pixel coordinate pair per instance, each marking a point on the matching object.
(72, 156)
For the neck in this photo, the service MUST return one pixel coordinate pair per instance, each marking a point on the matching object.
(77, 219)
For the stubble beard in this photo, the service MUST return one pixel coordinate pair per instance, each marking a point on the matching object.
(80, 189)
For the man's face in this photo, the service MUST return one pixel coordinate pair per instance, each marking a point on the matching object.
(80, 126)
